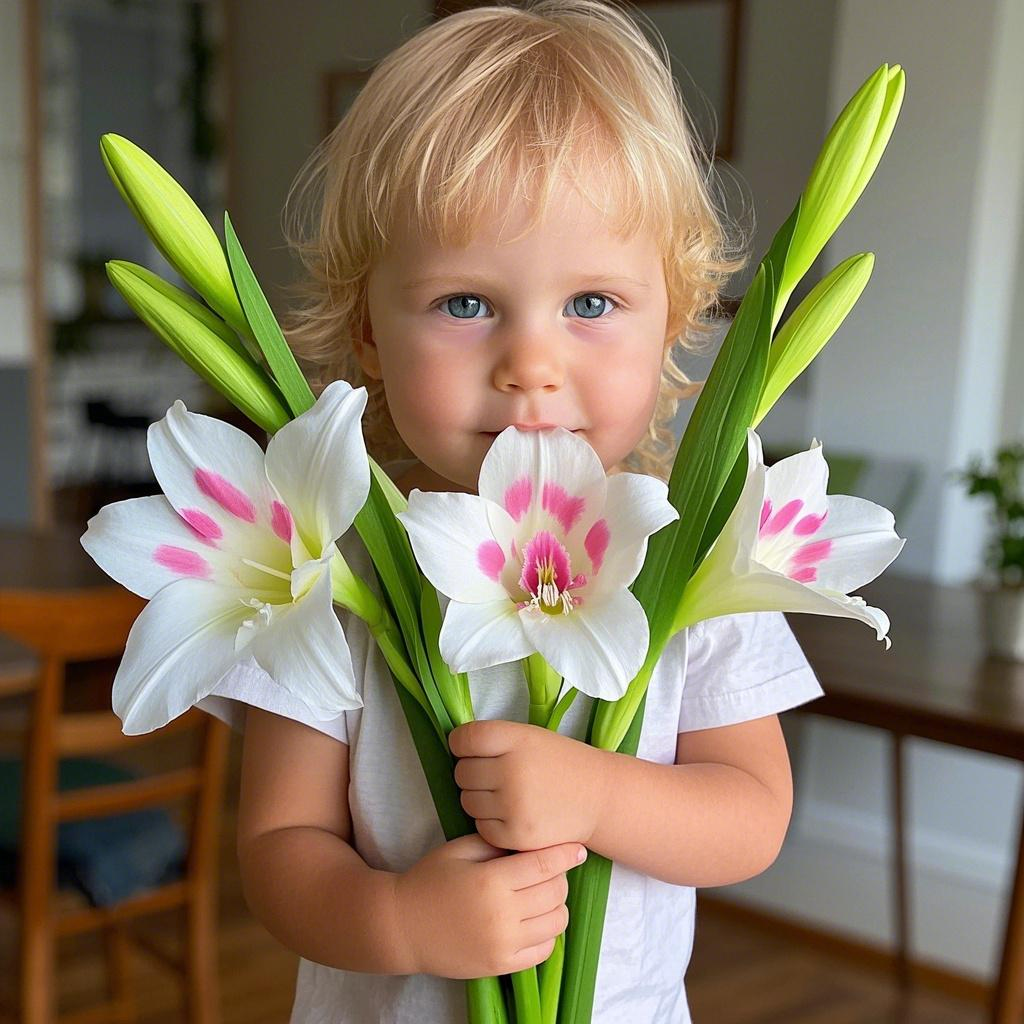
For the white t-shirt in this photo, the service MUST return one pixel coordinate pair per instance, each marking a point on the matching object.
(726, 670)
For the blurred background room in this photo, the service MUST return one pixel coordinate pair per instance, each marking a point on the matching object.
(899, 893)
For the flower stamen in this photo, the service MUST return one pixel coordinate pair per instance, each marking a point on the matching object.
(266, 568)
(547, 578)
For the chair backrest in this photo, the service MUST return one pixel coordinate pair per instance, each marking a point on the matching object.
(62, 626)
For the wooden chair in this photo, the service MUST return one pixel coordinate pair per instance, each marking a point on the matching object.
(62, 626)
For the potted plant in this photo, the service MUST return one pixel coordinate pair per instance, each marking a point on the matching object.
(1003, 589)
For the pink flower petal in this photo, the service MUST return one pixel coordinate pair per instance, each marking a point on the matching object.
(806, 575)
(518, 497)
(202, 525)
(810, 524)
(226, 494)
(491, 559)
(281, 521)
(782, 518)
(544, 550)
(812, 553)
(562, 505)
(596, 543)
(182, 561)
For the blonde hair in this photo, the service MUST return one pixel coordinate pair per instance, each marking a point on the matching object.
(483, 100)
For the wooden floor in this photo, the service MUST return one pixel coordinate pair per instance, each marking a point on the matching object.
(739, 974)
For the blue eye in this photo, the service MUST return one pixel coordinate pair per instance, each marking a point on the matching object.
(464, 307)
(587, 306)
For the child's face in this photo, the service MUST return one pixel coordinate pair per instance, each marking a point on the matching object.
(517, 333)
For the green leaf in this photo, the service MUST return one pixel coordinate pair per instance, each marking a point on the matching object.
(714, 436)
(776, 257)
(265, 327)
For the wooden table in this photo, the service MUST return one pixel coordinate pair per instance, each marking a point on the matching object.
(40, 560)
(935, 682)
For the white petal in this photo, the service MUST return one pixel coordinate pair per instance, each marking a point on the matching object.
(126, 539)
(739, 535)
(205, 464)
(636, 506)
(765, 590)
(598, 647)
(480, 635)
(449, 531)
(305, 650)
(178, 647)
(535, 459)
(802, 475)
(318, 463)
(863, 543)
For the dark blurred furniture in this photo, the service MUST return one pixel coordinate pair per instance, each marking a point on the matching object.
(57, 607)
(935, 682)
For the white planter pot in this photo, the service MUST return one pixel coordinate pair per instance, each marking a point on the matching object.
(1003, 620)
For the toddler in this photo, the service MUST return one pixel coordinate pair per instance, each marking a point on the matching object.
(515, 228)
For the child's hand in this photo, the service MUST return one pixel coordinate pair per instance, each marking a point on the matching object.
(527, 787)
(467, 911)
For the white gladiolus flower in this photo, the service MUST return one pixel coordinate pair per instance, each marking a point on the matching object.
(788, 546)
(540, 560)
(236, 558)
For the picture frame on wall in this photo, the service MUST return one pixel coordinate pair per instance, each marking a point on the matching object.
(704, 41)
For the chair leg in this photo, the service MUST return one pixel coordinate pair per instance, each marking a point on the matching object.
(202, 985)
(117, 950)
(37, 994)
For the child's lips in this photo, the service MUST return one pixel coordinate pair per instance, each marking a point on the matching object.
(540, 426)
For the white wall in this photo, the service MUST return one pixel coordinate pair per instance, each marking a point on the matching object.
(927, 341)
(926, 352)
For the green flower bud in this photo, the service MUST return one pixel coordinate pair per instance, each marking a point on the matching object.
(177, 226)
(170, 314)
(810, 325)
(847, 160)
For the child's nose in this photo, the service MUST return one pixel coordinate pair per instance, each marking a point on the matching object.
(530, 361)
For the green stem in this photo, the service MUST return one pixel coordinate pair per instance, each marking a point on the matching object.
(391, 646)
(560, 709)
(524, 983)
(550, 974)
(485, 1002)
(543, 682)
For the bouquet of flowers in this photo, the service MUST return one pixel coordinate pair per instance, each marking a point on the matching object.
(581, 577)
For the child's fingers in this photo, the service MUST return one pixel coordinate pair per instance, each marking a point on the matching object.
(544, 928)
(533, 866)
(542, 898)
(474, 847)
(527, 958)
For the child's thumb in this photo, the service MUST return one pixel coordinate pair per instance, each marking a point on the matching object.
(474, 847)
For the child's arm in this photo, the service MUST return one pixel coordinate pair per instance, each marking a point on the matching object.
(301, 877)
(464, 910)
(717, 816)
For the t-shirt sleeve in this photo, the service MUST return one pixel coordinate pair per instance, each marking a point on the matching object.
(743, 666)
(247, 683)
